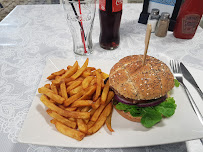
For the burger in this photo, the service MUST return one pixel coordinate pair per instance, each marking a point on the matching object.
(141, 91)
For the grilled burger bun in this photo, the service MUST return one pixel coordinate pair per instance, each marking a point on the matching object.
(137, 85)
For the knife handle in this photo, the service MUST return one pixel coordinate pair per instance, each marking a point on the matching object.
(193, 104)
(200, 92)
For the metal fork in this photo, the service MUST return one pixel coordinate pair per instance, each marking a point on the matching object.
(175, 66)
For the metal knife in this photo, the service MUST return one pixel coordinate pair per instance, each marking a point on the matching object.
(187, 75)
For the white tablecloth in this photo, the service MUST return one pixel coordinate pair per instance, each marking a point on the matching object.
(31, 34)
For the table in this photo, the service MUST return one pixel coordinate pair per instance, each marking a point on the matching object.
(31, 34)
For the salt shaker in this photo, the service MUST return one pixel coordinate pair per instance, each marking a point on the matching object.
(162, 26)
(153, 18)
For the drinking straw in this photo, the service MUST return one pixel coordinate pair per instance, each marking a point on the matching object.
(76, 14)
(82, 32)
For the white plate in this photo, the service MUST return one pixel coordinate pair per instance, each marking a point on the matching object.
(182, 126)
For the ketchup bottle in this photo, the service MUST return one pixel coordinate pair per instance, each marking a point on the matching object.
(188, 19)
(110, 12)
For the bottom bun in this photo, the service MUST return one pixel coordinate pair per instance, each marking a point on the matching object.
(128, 116)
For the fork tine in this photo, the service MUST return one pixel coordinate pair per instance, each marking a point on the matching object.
(174, 66)
(178, 66)
(179, 69)
(171, 64)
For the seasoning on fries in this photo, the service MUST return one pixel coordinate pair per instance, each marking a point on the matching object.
(78, 100)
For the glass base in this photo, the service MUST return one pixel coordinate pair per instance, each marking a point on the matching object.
(82, 52)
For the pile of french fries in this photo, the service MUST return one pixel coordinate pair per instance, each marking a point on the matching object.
(78, 100)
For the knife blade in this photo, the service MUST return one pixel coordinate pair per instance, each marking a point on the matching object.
(188, 76)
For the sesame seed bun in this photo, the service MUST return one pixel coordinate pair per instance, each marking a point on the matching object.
(133, 81)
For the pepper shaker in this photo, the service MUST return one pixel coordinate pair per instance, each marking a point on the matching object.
(162, 26)
(153, 18)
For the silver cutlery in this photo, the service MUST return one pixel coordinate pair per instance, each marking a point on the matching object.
(175, 66)
(187, 75)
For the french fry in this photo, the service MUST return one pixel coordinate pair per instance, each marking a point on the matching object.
(66, 80)
(72, 114)
(51, 95)
(108, 122)
(86, 120)
(54, 89)
(101, 120)
(52, 101)
(61, 119)
(53, 121)
(70, 109)
(89, 69)
(72, 99)
(105, 92)
(94, 81)
(86, 81)
(72, 119)
(68, 67)
(101, 107)
(92, 112)
(86, 74)
(69, 131)
(90, 124)
(51, 77)
(68, 73)
(57, 77)
(76, 90)
(47, 86)
(60, 106)
(73, 85)
(63, 90)
(81, 70)
(71, 71)
(82, 126)
(60, 72)
(96, 104)
(81, 103)
(81, 78)
(102, 83)
(69, 83)
(93, 73)
(98, 90)
(99, 70)
(89, 93)
(104, 75)
(85, 109)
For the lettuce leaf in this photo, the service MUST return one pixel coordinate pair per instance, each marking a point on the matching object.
(150, 118)
(150, 115)
(176, 83)
(167, 108)
(133, 109)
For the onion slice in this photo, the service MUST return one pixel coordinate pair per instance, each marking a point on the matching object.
(142, 103)
(123, 100)
(152, 103)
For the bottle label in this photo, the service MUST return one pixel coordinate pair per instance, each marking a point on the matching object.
(190, 23)
(102, 5)
(116, 5)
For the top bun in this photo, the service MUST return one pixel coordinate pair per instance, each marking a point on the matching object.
(132, 80)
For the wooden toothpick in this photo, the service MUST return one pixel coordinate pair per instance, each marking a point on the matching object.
(147, 38)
